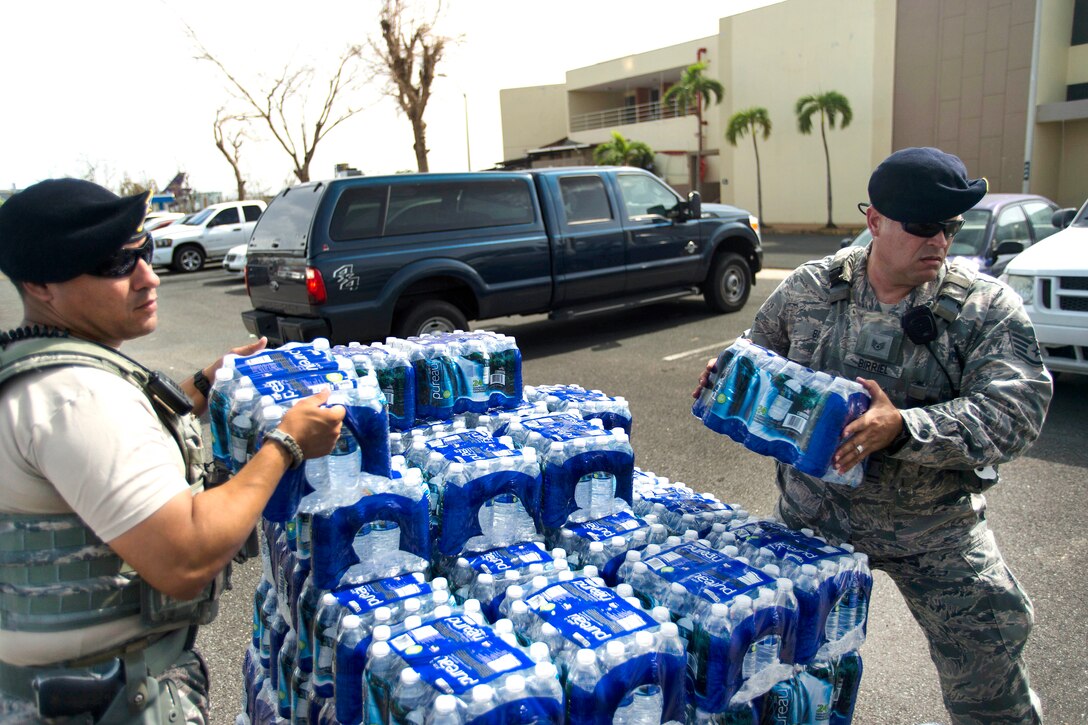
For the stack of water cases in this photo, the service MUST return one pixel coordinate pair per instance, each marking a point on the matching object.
(777, 408)
(470, 554)
(612, 412)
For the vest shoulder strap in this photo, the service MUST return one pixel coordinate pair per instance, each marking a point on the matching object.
(39, 354)
(841, 273)
(953, 292)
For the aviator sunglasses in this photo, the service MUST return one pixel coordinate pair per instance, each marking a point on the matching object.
(122, 262)
(925, 230)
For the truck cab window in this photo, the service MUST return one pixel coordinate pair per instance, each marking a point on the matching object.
(645, 196)
(584, 199)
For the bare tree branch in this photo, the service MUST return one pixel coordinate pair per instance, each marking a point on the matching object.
(281, 103)
(234, 140)
(405, 44)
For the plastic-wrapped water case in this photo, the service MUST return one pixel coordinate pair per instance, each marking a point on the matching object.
(612, 412)
(490, 678)
(777, 408)
(604, 542)
(383, 531)
(679, 507)
(462, 372)
(832, 583)
(634, 663)
(484, 492)
(585, 467)
(395, 376)
(291, 360)
(488, 575)
(725, 609)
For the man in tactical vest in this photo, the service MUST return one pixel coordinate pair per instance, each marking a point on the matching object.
(950, 360)
(111, 550)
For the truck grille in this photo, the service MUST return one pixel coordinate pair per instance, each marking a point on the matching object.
(1068, 294)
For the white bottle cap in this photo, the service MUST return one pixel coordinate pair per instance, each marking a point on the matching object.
(413, 622)
(590, 571)
(515, 684)
(545, 670)
(483, 693)
(661, 614)
(719, 609)
(381, 633)
(644, 640)
(383, 614)
(585, 657)
(639, 568)
(808, 570)
(515, 592)
(350, 621)
(538, 652)
(412, 605)
(669, 629)
(616, 649)
(566, 575)
(442, 610)
(504, 626)
(380, 648)
(596, 546)
(486, 579)
(625, 590)
(512, 575)
(539, 582)
(634, 555)
(409, 676)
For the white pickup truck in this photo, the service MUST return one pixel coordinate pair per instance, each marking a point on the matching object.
(209, 234)
(1052, 279)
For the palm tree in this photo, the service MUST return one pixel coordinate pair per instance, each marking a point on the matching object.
(695, 89)
(621, 151)
(830, 106)
(752, 121)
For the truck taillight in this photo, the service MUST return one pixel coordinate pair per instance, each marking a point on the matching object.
(315, 287)
(245, 276)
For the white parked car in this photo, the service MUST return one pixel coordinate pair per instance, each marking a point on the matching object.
(208, 234)
(1052, 279)
(235, 261)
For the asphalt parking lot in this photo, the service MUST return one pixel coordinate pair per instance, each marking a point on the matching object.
(652, 356)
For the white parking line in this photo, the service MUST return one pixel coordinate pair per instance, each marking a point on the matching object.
(776, 275)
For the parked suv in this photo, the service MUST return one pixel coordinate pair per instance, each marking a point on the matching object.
(358, 258)
(1052, 279)
(208, 234)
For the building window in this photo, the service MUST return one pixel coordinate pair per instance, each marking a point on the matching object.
(1080, 23)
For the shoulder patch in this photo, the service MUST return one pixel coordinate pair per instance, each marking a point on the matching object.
(1026, 348)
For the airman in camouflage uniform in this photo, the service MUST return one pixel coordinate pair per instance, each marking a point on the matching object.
(933, 437)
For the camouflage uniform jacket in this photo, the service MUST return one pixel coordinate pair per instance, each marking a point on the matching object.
(927, 496)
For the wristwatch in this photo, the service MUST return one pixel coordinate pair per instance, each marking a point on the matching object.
(289, 444)
(201, 383)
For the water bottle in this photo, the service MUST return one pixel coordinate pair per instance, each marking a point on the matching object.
(482, 702)
(817, 682)
(784, 704)
(582, 678)
(411, 698)
(445, 712)
(219, 413)
(382, 669)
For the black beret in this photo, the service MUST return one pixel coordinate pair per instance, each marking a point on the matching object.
(923, 185)
(58, 229)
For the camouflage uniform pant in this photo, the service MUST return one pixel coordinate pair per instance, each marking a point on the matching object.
(977, 619)
(181, 699)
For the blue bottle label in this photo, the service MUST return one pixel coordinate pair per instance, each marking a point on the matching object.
(706, 573)
(682, 503)
(587, 614)
(454, 654)
(381, 593)
(470, 446)
(500, 560)
(562, 427)
(285, 363)
(284, 389)
(618, 524)
(787, 544)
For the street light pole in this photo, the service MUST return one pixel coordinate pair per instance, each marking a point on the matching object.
(468, 148)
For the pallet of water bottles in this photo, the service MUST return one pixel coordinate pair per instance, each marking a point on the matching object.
(512, 565)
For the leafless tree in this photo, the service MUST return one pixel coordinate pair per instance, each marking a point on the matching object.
(409, 51)
(229, 142)
(281, 102)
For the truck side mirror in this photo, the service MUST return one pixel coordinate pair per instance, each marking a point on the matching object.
(695, 205)
(1009, 247)
(1063, 218)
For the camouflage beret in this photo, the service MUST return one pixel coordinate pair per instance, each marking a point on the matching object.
(58, 229)
(923, 185)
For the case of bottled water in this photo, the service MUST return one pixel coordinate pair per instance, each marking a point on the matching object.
(740, 622)
(608, 542)
(824, 691)
(612, 412)
(484, 492)
(463, 372)
(586, 468)
(618, 663)
(453, 653)
(395, 376)
(379, 530)
(777, 408)
(679, 507)
(487, 576)
(832, 583)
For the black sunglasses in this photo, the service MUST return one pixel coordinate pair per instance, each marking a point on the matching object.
(925, 230)
(122, 262)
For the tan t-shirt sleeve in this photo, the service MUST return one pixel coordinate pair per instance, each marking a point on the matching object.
(97, 440)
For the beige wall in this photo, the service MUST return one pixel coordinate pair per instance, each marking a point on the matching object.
(648, 63)
(818, 46)
(532, 117)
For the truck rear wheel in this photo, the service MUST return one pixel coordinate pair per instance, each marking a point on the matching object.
(429, 316)
(728, 285)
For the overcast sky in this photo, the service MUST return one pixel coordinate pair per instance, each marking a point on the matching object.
(114, 84)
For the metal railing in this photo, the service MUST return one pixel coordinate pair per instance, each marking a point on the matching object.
(640, 113)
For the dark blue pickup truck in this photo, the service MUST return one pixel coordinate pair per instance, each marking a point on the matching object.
(361, 258)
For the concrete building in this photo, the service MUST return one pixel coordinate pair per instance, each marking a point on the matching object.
(956, 74)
